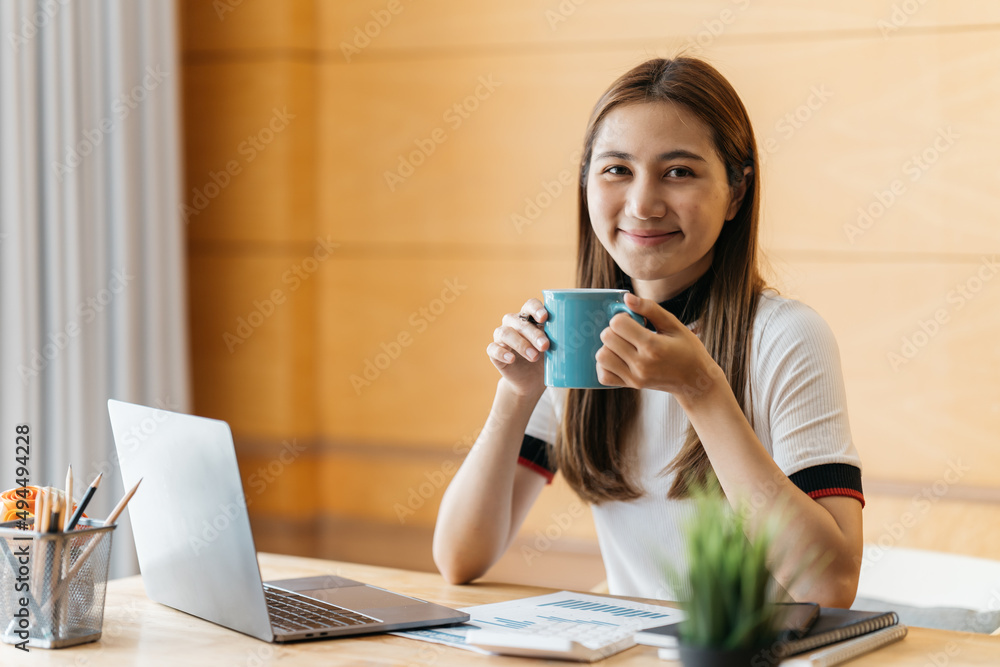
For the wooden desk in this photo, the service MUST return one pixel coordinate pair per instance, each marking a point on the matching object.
(142, 633)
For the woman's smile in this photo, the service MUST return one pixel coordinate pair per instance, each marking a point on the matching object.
(649, 237)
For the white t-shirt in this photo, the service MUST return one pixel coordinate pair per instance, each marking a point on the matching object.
(800, 416)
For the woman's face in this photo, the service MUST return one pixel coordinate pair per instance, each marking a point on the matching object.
(658, 195)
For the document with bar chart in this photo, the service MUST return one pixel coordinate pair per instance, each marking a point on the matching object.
(546, 610)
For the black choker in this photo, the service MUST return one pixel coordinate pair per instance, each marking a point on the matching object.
(689, 304)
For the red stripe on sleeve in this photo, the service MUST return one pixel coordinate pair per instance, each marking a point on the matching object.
(544, 472)
(837, 491)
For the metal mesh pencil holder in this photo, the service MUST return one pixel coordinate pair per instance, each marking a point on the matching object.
(52, 585)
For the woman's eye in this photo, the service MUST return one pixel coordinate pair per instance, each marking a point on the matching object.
(617, 171)
(679, 172)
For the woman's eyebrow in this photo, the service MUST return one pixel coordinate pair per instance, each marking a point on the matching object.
(680, 153)
(662, 157)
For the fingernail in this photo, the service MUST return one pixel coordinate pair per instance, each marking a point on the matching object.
(539, 314)
(540, 343)
(508, 357)
(532, 354)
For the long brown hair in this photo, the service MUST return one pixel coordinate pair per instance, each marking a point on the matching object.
(590, 450)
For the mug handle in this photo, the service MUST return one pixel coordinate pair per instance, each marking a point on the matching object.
(622, 308)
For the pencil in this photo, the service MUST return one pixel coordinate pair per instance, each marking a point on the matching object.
(57, 510)
(67, 513)
(43, 513)
(93, 543)
(120, 507)
(67, 551)
(41, 552)
(54, 546)
(84, 502)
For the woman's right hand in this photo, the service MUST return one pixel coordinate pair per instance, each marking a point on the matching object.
(517, 348)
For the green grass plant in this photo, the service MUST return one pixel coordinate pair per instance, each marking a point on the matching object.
(728, 578)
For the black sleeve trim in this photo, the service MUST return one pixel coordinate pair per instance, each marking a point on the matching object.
(830, 479)
(535, 455)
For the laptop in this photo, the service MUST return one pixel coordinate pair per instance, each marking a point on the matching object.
(196, 552)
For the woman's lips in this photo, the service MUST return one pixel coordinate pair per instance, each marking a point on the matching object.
(649, 238)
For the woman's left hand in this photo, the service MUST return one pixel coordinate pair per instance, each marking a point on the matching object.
(672, 359)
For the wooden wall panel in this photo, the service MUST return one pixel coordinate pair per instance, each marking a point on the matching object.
(281, 481)
(937, 399)
(456, 176)
(440, 25)
(375, 483)
(239, 25)
(437, 389)
(249, 151)
(249, 202)
(252, 358)
(910, 142)
(402, 488)
(914, 143)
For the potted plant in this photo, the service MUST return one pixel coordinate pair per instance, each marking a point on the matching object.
(731, 619)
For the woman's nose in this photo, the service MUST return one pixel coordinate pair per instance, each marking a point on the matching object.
(645, 201)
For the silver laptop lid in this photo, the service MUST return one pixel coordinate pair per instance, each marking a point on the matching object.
(192, 531)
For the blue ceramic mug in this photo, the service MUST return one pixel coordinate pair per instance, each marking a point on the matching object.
(576, 319)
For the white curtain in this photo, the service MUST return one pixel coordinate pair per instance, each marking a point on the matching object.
(92, 290)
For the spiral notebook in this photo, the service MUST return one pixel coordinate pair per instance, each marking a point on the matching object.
(836, 625)
(848, 650)
(833, 625)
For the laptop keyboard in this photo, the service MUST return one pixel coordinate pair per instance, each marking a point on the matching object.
(296, 613)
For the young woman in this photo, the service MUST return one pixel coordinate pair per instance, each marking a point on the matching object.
(729, 378)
